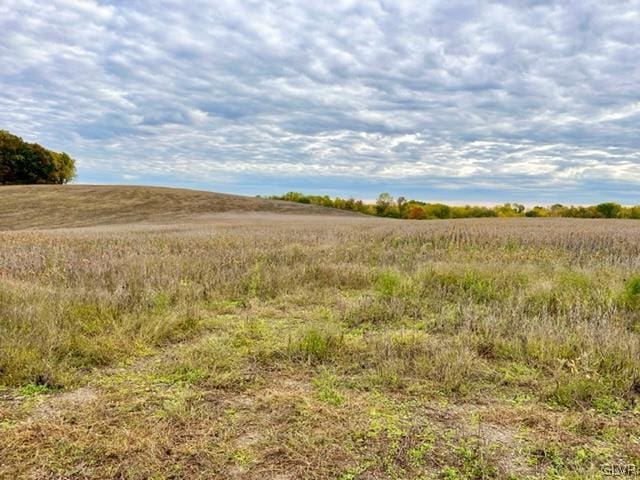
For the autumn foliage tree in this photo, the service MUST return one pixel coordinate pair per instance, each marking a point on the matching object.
(26, 163)
(386, 206)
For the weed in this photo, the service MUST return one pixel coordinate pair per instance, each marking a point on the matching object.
(327, 388)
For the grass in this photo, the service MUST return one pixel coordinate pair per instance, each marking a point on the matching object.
(245, 346)
(60, 206)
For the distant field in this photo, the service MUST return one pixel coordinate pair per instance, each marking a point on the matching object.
(55, 206)
(258, 345)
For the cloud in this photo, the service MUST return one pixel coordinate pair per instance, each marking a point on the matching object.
(523, 99)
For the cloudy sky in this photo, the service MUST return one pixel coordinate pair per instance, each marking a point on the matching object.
(530, 101)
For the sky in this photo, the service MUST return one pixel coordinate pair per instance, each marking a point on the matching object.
(481, 102)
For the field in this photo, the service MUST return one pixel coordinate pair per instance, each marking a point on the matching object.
(277, 341)
(46, 206)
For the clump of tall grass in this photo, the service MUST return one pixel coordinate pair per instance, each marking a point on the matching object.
(630, 297)
(316, 343)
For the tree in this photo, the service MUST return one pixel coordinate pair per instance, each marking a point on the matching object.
(506, 210)
(633, 212)
(386, 206)
(537, 211)
(437, 210)
(383, 204)
(24, 163)
(402, 206)
(609, 209)
(416, 213)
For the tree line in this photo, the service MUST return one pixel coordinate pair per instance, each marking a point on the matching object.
(26, 163)
(387, 206)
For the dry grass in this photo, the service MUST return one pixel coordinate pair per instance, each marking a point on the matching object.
(283, 346)
(56, 206)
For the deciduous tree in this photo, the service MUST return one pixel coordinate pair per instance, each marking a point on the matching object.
(24, 163)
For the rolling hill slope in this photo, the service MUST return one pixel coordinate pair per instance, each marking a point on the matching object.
(55, 206)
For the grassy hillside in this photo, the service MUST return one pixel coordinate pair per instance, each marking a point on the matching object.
(322, 348)
(49, 206)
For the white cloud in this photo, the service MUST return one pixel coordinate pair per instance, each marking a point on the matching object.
(507, 95)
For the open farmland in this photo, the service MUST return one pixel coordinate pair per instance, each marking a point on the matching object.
(46, 206)
(265, 345)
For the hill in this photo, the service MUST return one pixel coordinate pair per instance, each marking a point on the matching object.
(58, 206)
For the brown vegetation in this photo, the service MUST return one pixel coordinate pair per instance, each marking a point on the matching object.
(274, 346)
(50, 206)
